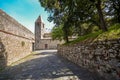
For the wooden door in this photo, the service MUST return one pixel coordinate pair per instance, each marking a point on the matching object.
(46, 46)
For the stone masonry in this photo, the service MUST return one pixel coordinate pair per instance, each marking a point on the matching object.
(102, 57)
(15, 40)
(43, 40)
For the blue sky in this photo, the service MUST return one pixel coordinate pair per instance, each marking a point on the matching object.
(25, 12)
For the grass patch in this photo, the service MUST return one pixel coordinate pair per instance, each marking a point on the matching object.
(85, 37)
(21, 60)
(112, 33)
(18, 62)
(1, 69)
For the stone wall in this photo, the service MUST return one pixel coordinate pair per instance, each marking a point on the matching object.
(3, 57)
(15, 40)
(47, 44)
(102, 57)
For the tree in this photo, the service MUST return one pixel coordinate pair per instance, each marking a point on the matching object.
(57, 33)
(115, 9)
(101, 17)
(71, 13)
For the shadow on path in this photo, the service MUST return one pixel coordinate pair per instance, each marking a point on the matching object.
(46, 65)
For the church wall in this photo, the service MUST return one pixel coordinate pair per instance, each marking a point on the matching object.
(48, 44)
(15, 40)
(43, 40)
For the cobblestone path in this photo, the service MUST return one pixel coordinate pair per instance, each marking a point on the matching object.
(45, 65)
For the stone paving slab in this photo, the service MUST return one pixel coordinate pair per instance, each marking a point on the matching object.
(45, 65)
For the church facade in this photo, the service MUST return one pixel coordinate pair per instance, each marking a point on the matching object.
(43, 40)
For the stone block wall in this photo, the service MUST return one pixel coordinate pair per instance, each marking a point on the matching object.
(102, 57)
(47, 44)
(15, 40)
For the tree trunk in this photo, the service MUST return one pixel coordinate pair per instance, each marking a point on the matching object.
(65, 34)
(116, 6)
(66, 38)
(119, 18)
(101, 17)
(119, 11)
(118, 14)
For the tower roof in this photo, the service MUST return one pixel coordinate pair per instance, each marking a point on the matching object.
(39, 19)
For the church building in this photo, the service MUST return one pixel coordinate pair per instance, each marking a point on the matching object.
(43, 40)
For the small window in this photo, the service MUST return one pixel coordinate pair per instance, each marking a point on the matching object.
(43, 25)
(38, 24)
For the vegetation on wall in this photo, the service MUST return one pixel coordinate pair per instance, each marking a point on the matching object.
(83, 17)
(23, 43)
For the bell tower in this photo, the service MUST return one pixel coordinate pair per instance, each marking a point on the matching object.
(39, 32)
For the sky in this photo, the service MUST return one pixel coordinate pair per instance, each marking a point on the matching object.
(26, 12)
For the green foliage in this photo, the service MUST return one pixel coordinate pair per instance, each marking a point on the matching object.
(94, 29)
(1, 69)
(85, 37)
(81, 17)
(112, 33)
(57, 33)
(115, 27)
(23, 43)
(114, 9)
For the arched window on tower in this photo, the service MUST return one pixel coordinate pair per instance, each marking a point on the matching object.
(43, 25)
(38, 24)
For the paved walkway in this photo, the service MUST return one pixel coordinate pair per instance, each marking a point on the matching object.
(45, 65)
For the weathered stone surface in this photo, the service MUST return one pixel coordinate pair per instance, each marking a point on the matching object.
(101, 56)
(15, 40)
